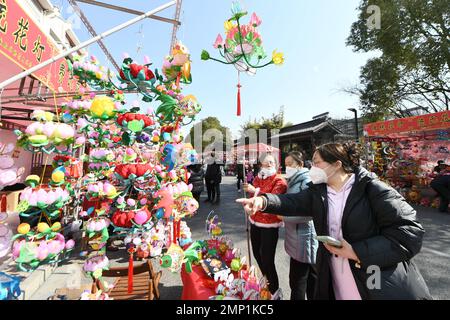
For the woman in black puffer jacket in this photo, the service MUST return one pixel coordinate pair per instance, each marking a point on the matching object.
(376, 226)
(196, 179)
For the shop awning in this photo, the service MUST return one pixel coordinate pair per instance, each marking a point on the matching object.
(398, 127)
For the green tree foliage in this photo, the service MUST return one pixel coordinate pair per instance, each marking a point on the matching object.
(412, 69)
(203, 126)
(275, 121)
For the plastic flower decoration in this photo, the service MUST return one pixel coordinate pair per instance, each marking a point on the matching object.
(138, 77)
(185, 234)
(277, 58)
(37, 201)
(101, 190)
(99, 295)
(95, 265)
(177, 66)
(137, 127)
(131, 213)
(176, 257)
(176, 200)
(44, 244)
(103, 107)
(242, 46)
(188, 106)
(149, 242)
(45, 135)
(77, 106)
(9, 172)
(42, 115)
(89, 71)
(100, 160)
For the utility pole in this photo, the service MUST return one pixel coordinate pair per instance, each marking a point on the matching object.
(356, 122)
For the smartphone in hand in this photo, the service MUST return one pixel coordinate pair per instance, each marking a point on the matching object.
(329, 241)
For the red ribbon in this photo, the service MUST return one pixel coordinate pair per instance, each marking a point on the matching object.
(239, 100)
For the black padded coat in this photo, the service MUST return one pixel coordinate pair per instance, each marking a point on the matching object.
(382, 229)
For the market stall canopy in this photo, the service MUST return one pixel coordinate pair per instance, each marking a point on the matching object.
(256, 147)
(252, 151)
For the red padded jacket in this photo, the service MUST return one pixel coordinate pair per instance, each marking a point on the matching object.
(274, 185)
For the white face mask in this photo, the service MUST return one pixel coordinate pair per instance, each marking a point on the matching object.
(267, 172)
(290, 172)
(318, 175)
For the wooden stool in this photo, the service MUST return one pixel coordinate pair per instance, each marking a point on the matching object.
(145, 283)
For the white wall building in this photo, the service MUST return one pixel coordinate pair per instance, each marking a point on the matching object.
(50, 20)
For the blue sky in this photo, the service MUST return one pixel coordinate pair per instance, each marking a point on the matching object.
(311, 34)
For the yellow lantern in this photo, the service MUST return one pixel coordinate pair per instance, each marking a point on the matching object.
(103, 107)
(23, 228)
(42, 227)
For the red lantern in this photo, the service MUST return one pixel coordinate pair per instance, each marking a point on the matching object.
(123, 219)
(138, 169)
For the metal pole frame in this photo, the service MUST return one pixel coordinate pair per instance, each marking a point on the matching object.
(246, 218)
(85, 44)
(128, 10)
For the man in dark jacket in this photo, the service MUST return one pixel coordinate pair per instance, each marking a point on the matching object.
(196, 179)
(213, 179)
(440, 165)
(441, 184)
(381, 228)
(240, 175)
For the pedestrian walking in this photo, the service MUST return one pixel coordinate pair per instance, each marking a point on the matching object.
(213, 179)
(240, 175)
(196, 179)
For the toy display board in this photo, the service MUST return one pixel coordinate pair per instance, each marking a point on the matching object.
(214, 269)
(406, 161)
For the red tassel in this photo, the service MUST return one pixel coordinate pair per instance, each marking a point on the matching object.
(174, 232)
(239, 100)
(3, 202)
(169, 235)
(178, 229)
(130, 272)
(178, 80)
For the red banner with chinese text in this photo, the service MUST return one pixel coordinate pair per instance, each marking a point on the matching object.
(432, 121)
(24, 43)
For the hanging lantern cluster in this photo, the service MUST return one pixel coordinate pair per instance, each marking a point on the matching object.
(242, 47)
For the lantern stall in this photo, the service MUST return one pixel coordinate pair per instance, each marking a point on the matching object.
(403, 153)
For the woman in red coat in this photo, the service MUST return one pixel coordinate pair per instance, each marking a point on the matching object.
(264, 227)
